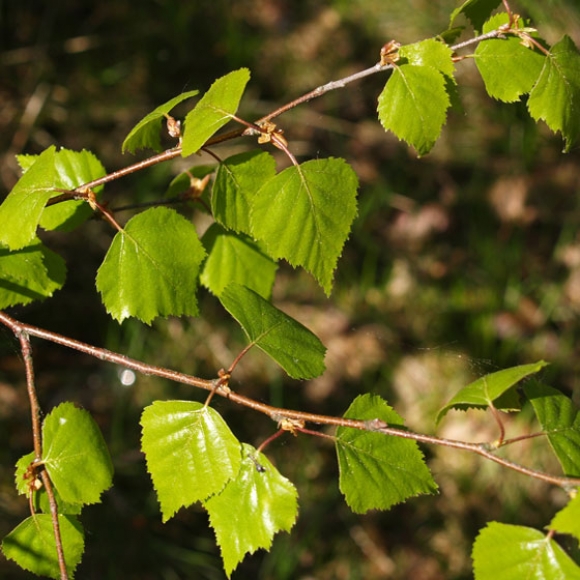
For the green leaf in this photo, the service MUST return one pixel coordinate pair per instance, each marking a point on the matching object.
(21, 210)
(305, 213)
(181, 183)
(73, 168)
(237, 181)
(76, 455)
(191, 452)
(567, 520)
(30, 273)
(235, 258)
(251, 509)
(146, 133)
(297, 350)
(556, 96)
(431, 53)
(378, 471)
(509, 69)
(151, 268)
(32, 545)
(492, 389)
(560, 421)
(507, 552)
(413, 104)
(477, 11)
(214, 110)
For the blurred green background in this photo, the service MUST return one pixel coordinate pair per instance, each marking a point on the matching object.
(460, 263)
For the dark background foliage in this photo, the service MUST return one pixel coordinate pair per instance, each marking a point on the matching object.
(460, 263)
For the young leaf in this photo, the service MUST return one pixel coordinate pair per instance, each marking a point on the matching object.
(304, 215)
(214, 110)
(556, 96)
(31, 273)
(477, 11)
(258, 503)
(567, 520)
(413, 105)
(509, 69)
(235, 258)
(21, 210)
(237, 180)
(32, 545)
(297, 350)
(431, 53)
(151, 268)
(76, 455)
(191, 452)
(146, 133)
(493, 388)
(560, 421)
(181, 183)
(507, 552)
(378, 471)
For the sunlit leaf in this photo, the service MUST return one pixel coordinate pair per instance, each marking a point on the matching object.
(32, 545)
(191, 452)
(509, 69)
(507, 552)
(431, 53)
(378, 471)
(151, 268)
(556, 96)
(214, 110)
(76, 455)
(237, 181)
(258, 503)
(477, 11)
(235, 258)
(305, 213)
(567, 520)
(146, 134)
(492, 389)
(297, 350)
(560, 420)
(30, 273)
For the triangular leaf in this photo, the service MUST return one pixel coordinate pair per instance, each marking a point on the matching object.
(305, 213)
(235, 258)
(21, 210)
(567, 520)
(76, 455)
(258, 503)
(560, 420)
(556, 96)
(31, 273)
(477, 11)
(237, 181)
(151, 268)
(191, 452)
(214, 110)
(297, 350)
(32, 545)
(492, 388)
(146, 133)
(508, 68)
(507, 552)
(378, 471)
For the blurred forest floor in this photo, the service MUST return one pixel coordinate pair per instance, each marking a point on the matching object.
(460, 263)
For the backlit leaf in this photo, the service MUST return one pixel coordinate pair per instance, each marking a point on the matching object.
(507, 552)
(76, 455)
(378, 471)
(297, 350)
(191, 452)
(477, 11)
(32, 545)
(493, 388)
(560, 420)
(305, 213)
(431, 53)
(567, 520)
(151, 268)
(214, 110)
(258, 503)
(556, 96)
(146, 134)
(235, 258)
